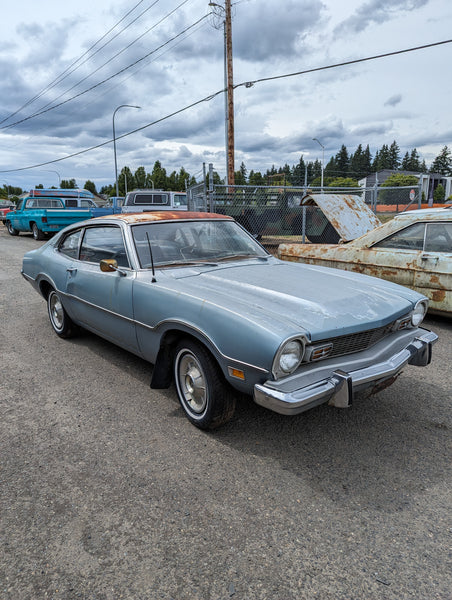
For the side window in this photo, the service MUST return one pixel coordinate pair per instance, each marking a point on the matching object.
(103, 242)
(410, 238)
(70, 202)
(69, 245)
(438, 237)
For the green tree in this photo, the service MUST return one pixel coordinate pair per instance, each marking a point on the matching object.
(158, 176)
(343, 182)
(442, 163)
(90, 186)
(394, 156)
(412, 162)
(240, 176)
(140, 178)
(182, 180)
(400, 180)
(342, 162)
(126, 181)
(331, 168)
(256, 178)
(439, 194)
(297, 173)
(68, 184)
(382, 159)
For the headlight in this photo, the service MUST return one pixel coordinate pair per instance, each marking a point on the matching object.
(419, 312)
(288, 357)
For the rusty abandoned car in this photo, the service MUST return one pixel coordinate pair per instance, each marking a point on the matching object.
(414, 249)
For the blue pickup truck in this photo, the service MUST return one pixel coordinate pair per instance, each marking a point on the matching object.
(44, 216)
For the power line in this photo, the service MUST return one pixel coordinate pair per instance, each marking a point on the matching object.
(342, 64)
(108, 78)
(118, 53)
(215, 94)
(68, 72)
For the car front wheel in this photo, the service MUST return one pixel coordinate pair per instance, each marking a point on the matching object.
(11, 230)
(59, 319)
(205, 396)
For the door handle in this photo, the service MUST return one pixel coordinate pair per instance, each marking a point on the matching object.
(429, 257)
(71, 270)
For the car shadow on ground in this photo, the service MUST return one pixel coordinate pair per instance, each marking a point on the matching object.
(367, 455)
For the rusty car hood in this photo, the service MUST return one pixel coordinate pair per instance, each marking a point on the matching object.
(348, 214)
(291, 297)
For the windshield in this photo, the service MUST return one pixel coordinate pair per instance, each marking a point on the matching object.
(188, 242)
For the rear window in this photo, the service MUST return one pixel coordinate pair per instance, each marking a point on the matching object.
(159, 199)
(44, 203)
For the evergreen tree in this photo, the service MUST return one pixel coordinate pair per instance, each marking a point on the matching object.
(406, 162)
(439, 194)
(394, 156)
(240, 176)
(126, 181)
(256, 178)
(331, 168)
(442, 163)
(367, 161)
(298, 172)
(360, 163)
(342, 162)
(317, 169)
(140, 178)
(158, 176)
(68, 184)
(90, 186)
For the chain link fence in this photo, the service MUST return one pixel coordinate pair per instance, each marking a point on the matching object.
(274, 214)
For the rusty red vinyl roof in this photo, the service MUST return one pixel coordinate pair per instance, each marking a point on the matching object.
(164, 215)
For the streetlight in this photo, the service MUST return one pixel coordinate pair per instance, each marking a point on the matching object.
(323, 158)
(114, 141)
(59, 178)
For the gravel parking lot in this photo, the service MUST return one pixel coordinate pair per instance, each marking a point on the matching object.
(108, 492)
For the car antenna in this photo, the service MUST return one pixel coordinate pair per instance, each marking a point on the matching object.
(152, 258)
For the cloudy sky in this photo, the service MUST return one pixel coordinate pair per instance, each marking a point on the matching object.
(66, 67)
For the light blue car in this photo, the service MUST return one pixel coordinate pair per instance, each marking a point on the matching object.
(198, 297)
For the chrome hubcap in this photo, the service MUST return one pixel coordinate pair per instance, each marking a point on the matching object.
(56, 311)
(192, 383)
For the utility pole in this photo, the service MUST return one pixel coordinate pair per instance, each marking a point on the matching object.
(224, 12)
(230, 93)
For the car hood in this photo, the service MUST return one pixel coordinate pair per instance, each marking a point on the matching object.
(292, 297)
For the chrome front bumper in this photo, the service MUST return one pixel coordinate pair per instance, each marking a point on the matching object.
(339, 381)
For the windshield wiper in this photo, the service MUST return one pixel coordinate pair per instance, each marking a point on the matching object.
(188, 263)
(237, 256)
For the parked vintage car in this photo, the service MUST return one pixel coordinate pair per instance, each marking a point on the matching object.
(198, 297)
(413, 249)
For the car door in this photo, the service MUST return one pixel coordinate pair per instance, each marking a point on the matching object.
(434, 266)
(396, 257)
(100, 301)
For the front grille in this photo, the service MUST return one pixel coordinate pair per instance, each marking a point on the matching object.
(355, 342)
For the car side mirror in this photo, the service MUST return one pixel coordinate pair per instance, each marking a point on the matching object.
(109, 265)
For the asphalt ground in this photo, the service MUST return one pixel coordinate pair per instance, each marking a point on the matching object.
(107, 491)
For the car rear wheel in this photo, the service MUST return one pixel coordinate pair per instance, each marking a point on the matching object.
(37, 233)
(205, 396)
(11, 230)
(59, 319)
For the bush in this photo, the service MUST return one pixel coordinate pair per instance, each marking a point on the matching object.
(439, 194)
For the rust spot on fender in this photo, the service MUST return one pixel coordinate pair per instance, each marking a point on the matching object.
(438, 295)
